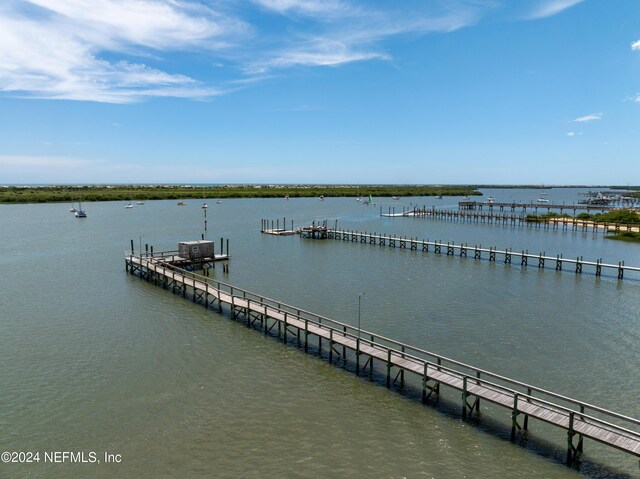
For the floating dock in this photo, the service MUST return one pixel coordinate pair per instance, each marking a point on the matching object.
(371, 352)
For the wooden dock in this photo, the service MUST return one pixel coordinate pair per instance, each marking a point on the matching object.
(532, 206)
(371, 352)
(512, 219)
(493, 254)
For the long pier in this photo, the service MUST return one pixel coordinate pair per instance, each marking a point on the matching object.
(513, 206)
(513, 219)
(374, 353)
(322, 231)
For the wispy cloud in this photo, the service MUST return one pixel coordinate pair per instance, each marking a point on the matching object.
(54, 49)
(635, 46)
(587, 118)
(124, 51)
(305, 7)
(549, 8)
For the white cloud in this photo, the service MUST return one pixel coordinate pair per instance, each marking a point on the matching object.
(57, 53)
(635, 46)
(317, 52)
(305, 7)
(571, 133)
(591, 117)
(117, 51)
(549, 8)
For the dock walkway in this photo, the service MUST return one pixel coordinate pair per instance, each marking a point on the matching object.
(512, 219)
(344, 342)
(560, 263)
(513, 206)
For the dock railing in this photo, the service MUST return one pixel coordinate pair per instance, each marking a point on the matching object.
(519, 392)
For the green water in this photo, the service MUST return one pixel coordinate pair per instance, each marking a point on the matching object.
(93, 359)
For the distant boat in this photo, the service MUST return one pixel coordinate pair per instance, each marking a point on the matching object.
(73, 208)
(321, 198)
(80, 213)
(286, 197)
(439, 197)
(466, 198)
(543, 200)
(204, 205)
(490, 199)
(129, 206)
(140, 203)
(395, 197)
(219, 202)
(181, 203)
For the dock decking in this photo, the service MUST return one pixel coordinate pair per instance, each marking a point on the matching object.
(322, 231)
(347, 343)
(513, 206)
(512, 219)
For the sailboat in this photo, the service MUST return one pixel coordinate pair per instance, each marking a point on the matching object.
(80, 213)
(73, 208)
(130, 205)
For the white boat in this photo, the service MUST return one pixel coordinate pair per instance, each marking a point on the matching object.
(466, 198)
(490, 200)
(286, 197)
(205, 206)
(543, 200)
(73, 208)
(80, 213)
(219, 202)
(395, 197)
(181, 203)
(321, 198)
(129, 206)
(140, 203)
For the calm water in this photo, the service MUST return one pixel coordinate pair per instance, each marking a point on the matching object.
(93, 359)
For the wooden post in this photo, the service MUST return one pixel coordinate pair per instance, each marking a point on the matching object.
(464, 397)
(388, 368)
(425, 378)
(330, 345)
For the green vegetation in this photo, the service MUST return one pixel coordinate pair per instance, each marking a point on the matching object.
(48, 194)
(630, 236)
(619, 216)
(625, 217)
(539, 218)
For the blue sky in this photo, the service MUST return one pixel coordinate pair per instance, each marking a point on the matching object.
(310, 91)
